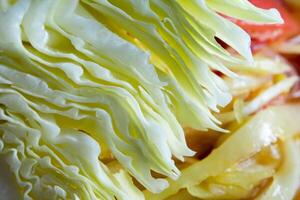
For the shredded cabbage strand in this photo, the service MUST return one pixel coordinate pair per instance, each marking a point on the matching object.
(263, 129)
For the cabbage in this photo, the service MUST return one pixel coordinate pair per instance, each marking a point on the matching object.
(260, 100)
(287, 180)
(232, 184)
(265, 63)
(184, 48)
(263, 129)
(83, 80)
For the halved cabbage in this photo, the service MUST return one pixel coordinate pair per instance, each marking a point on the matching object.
(125, 76)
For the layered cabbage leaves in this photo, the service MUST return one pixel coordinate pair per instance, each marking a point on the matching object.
(82, 82)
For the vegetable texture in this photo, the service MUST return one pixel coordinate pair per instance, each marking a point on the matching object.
(261, 131)
(85, 81)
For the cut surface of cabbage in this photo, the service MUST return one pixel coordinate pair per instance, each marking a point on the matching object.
(82, 82)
